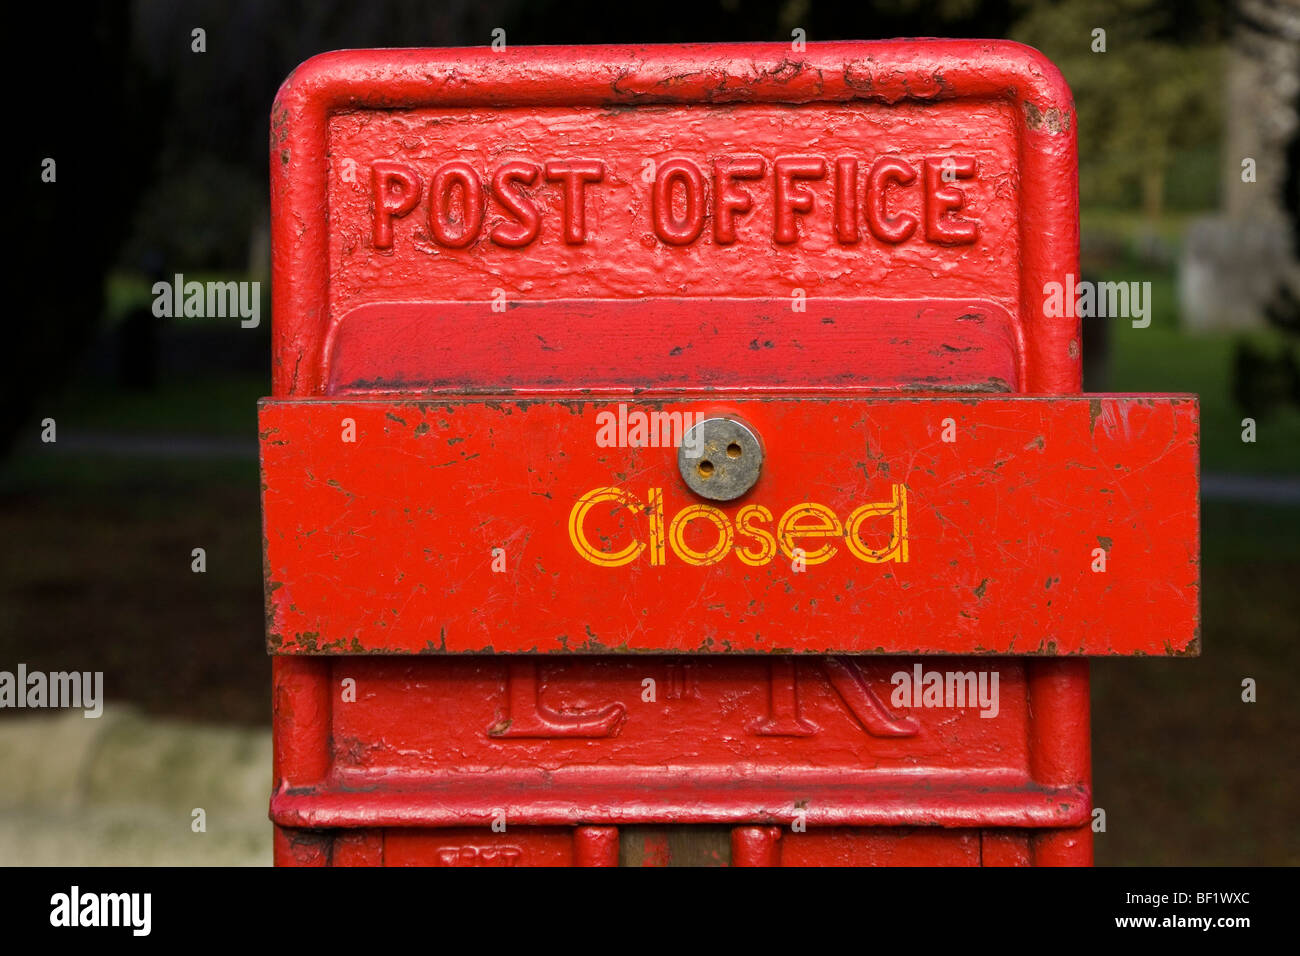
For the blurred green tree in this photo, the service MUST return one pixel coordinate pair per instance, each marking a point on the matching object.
(1153, 94)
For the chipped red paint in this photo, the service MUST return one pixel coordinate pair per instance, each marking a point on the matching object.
(450, 742)
(651, 224)
(388, 544)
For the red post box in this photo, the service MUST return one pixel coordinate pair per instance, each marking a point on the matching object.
(677, 454)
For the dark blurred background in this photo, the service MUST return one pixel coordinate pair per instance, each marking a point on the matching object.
(161, 168)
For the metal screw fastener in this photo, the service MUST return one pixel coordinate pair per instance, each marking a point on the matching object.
(720, 459)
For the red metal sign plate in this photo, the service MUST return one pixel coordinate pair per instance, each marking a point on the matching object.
(991, 525)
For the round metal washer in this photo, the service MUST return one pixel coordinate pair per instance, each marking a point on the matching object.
(720, 459)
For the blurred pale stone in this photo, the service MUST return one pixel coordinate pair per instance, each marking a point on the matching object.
(120, 790)
(1232, 264)
(1230, 269)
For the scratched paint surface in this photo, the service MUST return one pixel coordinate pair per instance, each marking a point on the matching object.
(353, 317)
(386, 544)
(618, 207)
(696, 344)
(932, 169)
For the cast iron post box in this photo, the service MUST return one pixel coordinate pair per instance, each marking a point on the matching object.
(678, 454)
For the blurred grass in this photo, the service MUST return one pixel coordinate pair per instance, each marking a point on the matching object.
(111, 475)
(1162, 358)
(96, 575)
(1187, 772)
